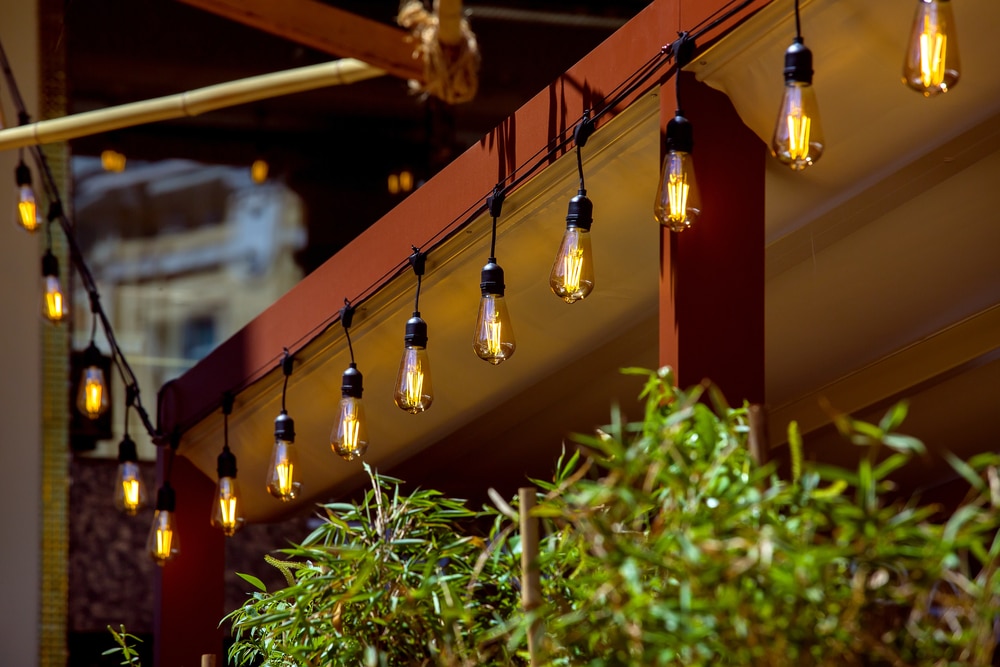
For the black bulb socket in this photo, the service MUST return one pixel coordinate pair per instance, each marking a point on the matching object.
(680, 134)
(126, 451)
(416, 332)
(491, 280)
(22, 174)
(798, 63)
(284, 427)
(92, 356)
(351, 382)
(166, 499)
(226, 464)
(581, 212)
(50, 264)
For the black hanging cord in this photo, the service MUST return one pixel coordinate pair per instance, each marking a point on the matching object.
(583, 130)
(346, 319)
(55, 210)
(418, 260)
(495, 205)
(129, 401)
(798, 24)
(286, 368)
(227, 409)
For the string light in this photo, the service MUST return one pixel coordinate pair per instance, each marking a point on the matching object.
(227, 510)
(798, 134)
(259, 170)
(414, 391)
(349, 438)
(281, 481)
(678, 201)
(130, 491)
(92, 398)
(112, 160)
(572, 275)
(931, 65)
(26, 212)
(493, 340)
(164, 542)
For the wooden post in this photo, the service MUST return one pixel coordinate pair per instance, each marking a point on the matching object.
(757, 440)
(208, 660)
(531, 593)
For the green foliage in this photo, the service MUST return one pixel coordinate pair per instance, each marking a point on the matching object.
(130, 656)
(392, 580)
(686, 552)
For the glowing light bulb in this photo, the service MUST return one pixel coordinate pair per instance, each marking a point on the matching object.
(493, 340)
(572, 275)
(130, 492)
(92, 396)
(227, 509)
(26, 212)
(259, 170)
(931, 65)
(53, 300)
(284, 458)
(163, 542)
(113, 161)
(678, 202)
(414, 391)
(349, 438)
(798, 134)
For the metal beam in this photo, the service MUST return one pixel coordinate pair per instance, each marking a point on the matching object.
(326, 29)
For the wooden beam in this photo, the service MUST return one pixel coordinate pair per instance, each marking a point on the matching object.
(326, 29)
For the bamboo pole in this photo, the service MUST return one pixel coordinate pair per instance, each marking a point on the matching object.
(757, 440)
(190, 103)
(208, 660)
(531, 593)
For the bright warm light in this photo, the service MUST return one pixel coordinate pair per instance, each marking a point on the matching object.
(284, 472)
(798, 134)
(494, 337)
(405, 180)
(53, 304)
(414, 386)
(572, 268)
(162, 544)
(164, 536)
(350, 437)
(493, 331)
(281, 475)
(112, 160)
(227, 514)
(352, 429)
(677, 194)
(93, 393)
(27, 213)
(572, 274)
(130, 495)
(259, 170)
(932, 50)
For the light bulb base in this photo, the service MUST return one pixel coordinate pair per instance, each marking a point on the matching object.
(92, 356)
(22, 175)
(166, 499)
(284, 427)
(127, 451)
(680, 134)
(581, 212)
(416, 331)
(226, 463)
(50, 264)
(798, 62)
(351, 385)
(491, 279)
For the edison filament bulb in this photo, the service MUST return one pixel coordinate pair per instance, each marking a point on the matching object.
(493, 340)
(572, 275)
(92, 396)
(349, 439)
(798, 135)
(130, 492)
(163, 542)
(678, 202)
(931, 66)
(227, 510)
(414, 391)
(281, 482)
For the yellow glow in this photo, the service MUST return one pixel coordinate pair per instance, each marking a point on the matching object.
(677, 195)
(112, 160)
(352, 429)
(258, 171)
(227, 510)
(932, 51)
(798, 134)
(27, 214)
(414, 385)
(393, 184)
(54, 305)
(283, 472)
(405, 181)
(93, 395)
(493, 334)
(130, 495)
(161, 545)
(572, 268)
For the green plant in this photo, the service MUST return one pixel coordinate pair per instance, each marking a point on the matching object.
(686, 552)
(124, 640)
(391, 580)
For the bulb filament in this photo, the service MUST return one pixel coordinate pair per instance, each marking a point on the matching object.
(493, 335)
(352, 429)
(798, 134)
(932, 50)
(93, 393)
(572, 269)
(130, 495)
(227, 506)
(26, 209)
(677, 191)
(284, 471)
(53, 304)
(164, 537)
(414, 386)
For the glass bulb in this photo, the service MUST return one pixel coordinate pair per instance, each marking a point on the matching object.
(130, 492)
(27, 212)
(227, 510)
(798, 135)
(92, 397)
(163, 542)
(350, 437)
(678, 202)
(572, 274)
(494, 339)
(414, 392)
(53, 300)
(931, 65)
(281, 473)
